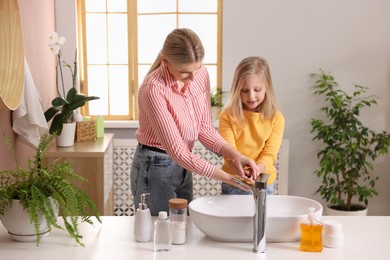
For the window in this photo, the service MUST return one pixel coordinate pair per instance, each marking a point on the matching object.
(120, 39)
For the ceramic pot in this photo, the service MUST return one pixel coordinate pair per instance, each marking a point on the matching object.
(335, 212)
(17, 221)
(66, 138)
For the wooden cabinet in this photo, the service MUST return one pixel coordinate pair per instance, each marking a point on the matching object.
(94, 161)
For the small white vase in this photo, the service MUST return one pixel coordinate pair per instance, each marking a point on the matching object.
(66, 138)
(17, 221)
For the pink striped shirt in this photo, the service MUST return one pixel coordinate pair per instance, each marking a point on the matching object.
(173, 120)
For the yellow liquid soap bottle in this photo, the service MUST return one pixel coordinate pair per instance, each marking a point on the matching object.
(311, 233)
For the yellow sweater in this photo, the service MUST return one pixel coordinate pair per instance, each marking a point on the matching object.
(258, 139)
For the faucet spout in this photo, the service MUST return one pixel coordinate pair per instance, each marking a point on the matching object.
(259, 219)
(259, 195)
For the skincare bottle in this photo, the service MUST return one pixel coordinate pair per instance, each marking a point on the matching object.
(162, 233)
(99, 127)
(311, 233)
(143, 225)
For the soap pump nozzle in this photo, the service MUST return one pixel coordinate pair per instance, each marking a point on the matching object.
(142, 205)
(311, 215)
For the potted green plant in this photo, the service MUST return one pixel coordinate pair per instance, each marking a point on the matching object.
(349, 147)
(64, 105)
(216, 98)
(216, 102)
(42, 190)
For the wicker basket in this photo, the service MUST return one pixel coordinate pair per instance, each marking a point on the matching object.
(86, 131)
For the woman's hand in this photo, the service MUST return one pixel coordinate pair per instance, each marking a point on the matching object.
(223, 176)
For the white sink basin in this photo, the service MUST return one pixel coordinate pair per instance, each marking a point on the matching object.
(229, 218)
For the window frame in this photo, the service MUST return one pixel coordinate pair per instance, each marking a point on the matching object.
(133, 64)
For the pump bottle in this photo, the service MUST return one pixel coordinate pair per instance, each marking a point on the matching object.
(311, 233)
(143, 225)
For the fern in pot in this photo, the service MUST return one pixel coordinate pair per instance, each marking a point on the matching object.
(349, 147)
(43, 190)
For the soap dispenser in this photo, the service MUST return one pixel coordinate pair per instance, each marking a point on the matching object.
(311, 233)
(143, 225)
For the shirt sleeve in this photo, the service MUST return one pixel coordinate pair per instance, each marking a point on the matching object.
(208, 135)
(272, 145)
(226, 129)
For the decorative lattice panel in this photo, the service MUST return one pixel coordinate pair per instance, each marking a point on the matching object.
(202, 185)
(123, 158)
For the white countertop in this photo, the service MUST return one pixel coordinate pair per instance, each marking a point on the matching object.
(365, 238)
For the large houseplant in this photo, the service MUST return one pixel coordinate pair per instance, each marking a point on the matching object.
(64, 104)
(37, 187)
(350, 148)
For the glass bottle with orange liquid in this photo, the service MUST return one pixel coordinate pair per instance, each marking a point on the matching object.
(311, 233)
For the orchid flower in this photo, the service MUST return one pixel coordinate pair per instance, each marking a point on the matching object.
(56, 43)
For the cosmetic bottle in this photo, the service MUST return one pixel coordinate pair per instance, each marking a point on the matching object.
(311, 233)
(143, 225)
(162, 233)
(99, 127)
(77, 116)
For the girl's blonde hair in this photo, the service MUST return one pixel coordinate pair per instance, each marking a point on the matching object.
(248, 67)
(182, 46)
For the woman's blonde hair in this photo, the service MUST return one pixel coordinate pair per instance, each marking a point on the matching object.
(248, 67)
(182, 46)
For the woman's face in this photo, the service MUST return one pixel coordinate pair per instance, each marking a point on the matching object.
(184, 73)
(252, 93)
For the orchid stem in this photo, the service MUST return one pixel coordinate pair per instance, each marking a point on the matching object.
(62, 77)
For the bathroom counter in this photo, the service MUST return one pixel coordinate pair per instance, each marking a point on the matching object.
(365, 238)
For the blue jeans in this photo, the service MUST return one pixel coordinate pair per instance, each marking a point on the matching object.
(157, 174)
(231, 190)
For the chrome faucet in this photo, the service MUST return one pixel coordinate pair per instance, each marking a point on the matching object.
(259, 195)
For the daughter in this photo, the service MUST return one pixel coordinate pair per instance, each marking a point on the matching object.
(251, 120)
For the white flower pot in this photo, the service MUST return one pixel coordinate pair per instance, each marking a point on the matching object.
(66, 138)
(335, 212)
(17, 221)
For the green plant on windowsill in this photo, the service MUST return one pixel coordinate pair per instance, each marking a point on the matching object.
(350, 147)
(42, 183)
(216, 98)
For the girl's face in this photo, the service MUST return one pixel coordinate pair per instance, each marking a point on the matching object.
(252, 93)
(184, 73)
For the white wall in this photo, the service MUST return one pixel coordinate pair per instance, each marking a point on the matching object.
(350, 38)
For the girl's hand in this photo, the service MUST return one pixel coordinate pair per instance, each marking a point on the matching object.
(244, 167)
